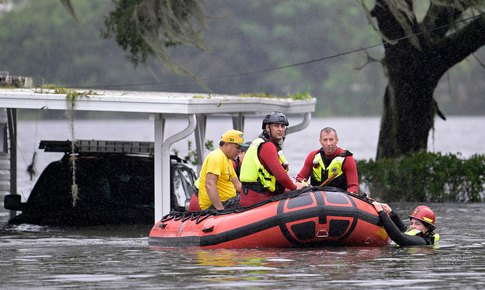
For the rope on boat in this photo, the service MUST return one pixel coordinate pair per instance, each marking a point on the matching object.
(199, 216)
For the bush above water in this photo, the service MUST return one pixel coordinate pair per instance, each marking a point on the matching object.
(424, 176)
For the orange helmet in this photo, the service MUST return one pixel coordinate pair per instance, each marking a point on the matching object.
(424, 214)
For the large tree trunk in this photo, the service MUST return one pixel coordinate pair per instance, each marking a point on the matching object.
(416, 56)
(408, 110)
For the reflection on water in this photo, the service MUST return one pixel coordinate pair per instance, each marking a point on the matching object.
(120, 257)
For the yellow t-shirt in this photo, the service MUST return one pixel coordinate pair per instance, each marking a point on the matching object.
(217, 163)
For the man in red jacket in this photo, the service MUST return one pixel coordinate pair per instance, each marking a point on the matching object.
(264, 170)
(330, 165)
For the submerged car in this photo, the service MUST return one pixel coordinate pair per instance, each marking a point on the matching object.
(115, 185)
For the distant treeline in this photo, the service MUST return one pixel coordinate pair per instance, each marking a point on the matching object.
(248, 44)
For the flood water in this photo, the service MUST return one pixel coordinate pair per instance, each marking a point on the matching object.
(120, 257)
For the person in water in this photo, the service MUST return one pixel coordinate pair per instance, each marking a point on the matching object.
(420, 231)
(330, 165)
(264, 170)
(218, 182)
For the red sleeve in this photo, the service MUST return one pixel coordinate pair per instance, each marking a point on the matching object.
(270, 160)
(307, 168)
(350, 169)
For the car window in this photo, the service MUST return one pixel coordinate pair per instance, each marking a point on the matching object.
(183, 179)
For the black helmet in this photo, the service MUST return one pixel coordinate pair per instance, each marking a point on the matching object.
(277, 118)
(265, 121)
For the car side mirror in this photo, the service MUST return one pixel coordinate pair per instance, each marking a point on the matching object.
(13, 202)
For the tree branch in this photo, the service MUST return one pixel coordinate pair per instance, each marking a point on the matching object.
(480, 62)
(68, 6)
(369, 59)
(397, 21)
(439, 15)
(463, 42)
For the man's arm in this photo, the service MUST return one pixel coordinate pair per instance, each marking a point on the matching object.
(397, 221)
(212, 192)
(237, 184)
(396, 235)
(350, 170)
(269, 158)
(306, 170)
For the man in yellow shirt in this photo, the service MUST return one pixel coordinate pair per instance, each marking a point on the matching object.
(218, 180)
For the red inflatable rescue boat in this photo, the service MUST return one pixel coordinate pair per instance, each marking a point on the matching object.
(315, 218)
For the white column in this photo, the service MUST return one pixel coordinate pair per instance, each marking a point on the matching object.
(162, 162)
(200, 139)
(160, 174)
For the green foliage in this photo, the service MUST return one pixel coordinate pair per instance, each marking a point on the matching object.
(301, 96)
(425, 176)
(149, 27)
(71, 94)
(41, 39)
(296, 96)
